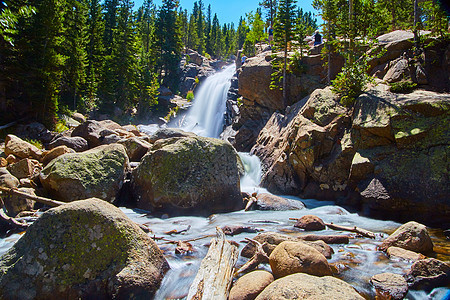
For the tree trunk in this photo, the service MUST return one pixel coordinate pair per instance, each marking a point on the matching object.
(284, 77)
(213, 280)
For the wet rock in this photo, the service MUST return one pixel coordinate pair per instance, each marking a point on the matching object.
(7, 180)
(98, 172)
(272, 239)
(304, 286)
(428, 274)
(56, 152)
(235, 230)
(20, 148)
(400, 253)
(136, 148)
(271, 202)
(76, 143)
(297, 257)
(23, 168)
(389, 286)
(249, 286)
(310, 223)
(86, 249)
(191, 174)
(410, 236)
(15, 204)
(166, 133)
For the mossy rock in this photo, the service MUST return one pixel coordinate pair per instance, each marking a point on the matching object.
(86, 249)
(194, 174)
(98, 172)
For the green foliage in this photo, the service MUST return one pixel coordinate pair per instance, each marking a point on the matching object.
(271, 7)
(172, 114)
(190, 96)
(38, 144)
(256, 33)
(61, 126)
(197, 81)
(240, 101)
(403, 86)
(352, 81)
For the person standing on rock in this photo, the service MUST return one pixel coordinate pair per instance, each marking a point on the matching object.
(317, 38)
(270, 36)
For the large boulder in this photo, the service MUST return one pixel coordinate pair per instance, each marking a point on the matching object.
(20, 148)
(193, 174)
(99, 132)
(136, 148)
(410, 236)
(82, 250)
(304, 286)
(297, 257)
(99, 172)
(249, 286)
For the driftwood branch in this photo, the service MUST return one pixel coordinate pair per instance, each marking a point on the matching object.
(360, 231)
(250, 202)
(42, 200)
(259, 257)
(215, 275)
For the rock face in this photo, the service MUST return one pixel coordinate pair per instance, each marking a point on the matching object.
(410, 236)
(98, 172)
(193, 174)
(85, 249)
(390, 286)
(297, 257)
(371, 157)
(249, 286)
(259, 101)
(304, 286)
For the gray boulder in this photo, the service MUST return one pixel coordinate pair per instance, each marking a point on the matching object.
(192, 173)
(76, 143)
(98, 172)
(86, 249)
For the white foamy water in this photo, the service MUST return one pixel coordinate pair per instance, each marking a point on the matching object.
(206, 116)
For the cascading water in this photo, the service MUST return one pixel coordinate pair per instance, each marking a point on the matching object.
(206, 116)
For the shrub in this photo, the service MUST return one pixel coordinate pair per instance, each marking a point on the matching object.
(190, 96)
(36, 143)
(61, 126)
(351, 81)
(197, 81)
(404, 86)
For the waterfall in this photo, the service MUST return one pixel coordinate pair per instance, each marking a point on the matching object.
(252, 177)
(206, 116)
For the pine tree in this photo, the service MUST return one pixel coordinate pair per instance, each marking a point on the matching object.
(208, 44)
(241, 32)
(271, 7)
(283, 32)
(74, 73)
(94, 51)
(168, 43)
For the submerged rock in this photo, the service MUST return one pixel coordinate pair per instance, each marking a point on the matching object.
(86, 249)
(410, 236)
(190, 174)
(310, 223)
(98, 172)
(304, 286)
(297, 257)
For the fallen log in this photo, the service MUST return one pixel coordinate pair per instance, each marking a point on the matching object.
(259, 257)
(46, 201)
(215, 275)
(329, 239)
(360, 231)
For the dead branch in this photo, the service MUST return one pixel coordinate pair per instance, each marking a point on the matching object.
(15, 223)
(250, 203)
(260, 257)
(360, 231)
(42, 200)
(177, 231)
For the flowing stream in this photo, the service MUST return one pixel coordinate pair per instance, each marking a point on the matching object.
(356, 261)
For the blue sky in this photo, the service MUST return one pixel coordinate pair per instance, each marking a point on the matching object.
(229, 10)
